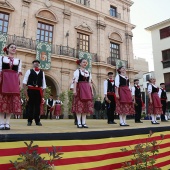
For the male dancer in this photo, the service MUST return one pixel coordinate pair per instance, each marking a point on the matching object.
(137, 99)
(109, 92)
(50, 103)
(163, 97)
(34, 86)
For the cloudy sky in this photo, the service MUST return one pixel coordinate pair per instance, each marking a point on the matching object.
(145, 13)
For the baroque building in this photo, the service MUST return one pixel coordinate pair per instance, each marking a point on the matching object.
(102, 28)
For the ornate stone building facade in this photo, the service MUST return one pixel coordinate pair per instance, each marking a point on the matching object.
(100, 27)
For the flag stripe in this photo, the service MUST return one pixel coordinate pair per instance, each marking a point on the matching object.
(97, 154)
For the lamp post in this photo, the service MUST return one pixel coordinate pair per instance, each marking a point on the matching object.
(23, 25)
(67, 35)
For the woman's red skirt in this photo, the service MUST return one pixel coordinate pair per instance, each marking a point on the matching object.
(79, 106)
(57, 110)
(156, 106)
(9, 103)
(124, 104)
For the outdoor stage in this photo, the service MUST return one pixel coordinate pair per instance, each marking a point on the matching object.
(96, 148)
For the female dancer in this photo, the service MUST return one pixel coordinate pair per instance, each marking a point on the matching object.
(124, 103)
(155, 106)
(83, 92)
(10, 102)
(57, 111)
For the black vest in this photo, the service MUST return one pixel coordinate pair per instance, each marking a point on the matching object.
(35, 79)
(83, 78)
(58, 102)
(137, 92)
(7, 66)
(123, 81)
(50, 102)
(110, 87)
(154, 89)
(163, 94)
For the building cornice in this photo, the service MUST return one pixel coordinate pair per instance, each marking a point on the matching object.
(128, 2)
(88, 9)
(152, 27)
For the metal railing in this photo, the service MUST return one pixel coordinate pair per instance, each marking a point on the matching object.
(22, 42)
(166, 63)
(56, 49)
(167, 86)
(117, 62)
(115, 14)
(84, 2)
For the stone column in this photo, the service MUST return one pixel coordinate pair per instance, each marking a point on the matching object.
(65, 77)
(24, 18)
(100, 49)
(101, 38)
(66, 22)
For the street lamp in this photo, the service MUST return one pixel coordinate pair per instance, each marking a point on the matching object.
(23, 25)
(67, 35)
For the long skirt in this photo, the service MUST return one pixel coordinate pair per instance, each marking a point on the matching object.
(82, 107)
(10, 103)
(57, 111)
(156, 106)
(124, 104)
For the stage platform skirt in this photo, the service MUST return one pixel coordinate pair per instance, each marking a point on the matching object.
(124, 104)
(96, 148)
(156, 106)
(79, 106)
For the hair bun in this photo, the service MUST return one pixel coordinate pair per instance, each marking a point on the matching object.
(78, 62)
(5, 49)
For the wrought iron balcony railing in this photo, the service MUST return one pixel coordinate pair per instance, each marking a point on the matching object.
(84, 2)
(166, 63)
(167, 86)
(56, 49)
(116, 62)
(115, 14)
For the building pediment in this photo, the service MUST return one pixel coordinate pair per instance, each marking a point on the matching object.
(46, 14)
(115, 37)
(85, 28)
(6, 5)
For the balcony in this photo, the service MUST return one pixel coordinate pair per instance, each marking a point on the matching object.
(84, 2)
(167, 86)
(115, 14)
(56, 49)
(166, 63)
(116, 62)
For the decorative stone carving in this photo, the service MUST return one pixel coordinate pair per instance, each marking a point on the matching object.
(48, 3)
(115, 36)
(2, 2)
(47, 15)
(67, 14)
(27, 2)
(129, 35)
(6, 5)
(124, 7)
(84, 27)
(101, 25)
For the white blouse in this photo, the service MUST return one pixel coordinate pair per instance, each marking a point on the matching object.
(15, 62)
(84, 73)
(117, 80)
(150, 88)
